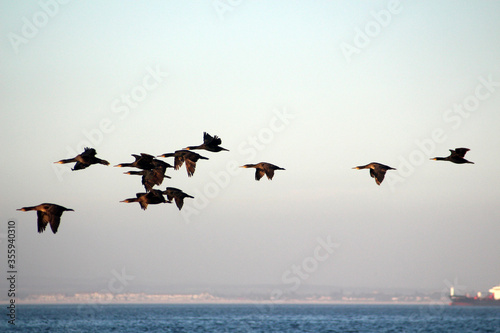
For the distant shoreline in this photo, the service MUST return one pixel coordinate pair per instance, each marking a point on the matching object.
(228, 302)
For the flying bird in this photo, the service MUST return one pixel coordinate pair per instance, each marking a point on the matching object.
(84, 160)
(263, 168)
(210, 143)
(143, 161)
(152, 197)
(456, 156)
(181, 156)
(377, 171)
(152, 177)
(47, 213)
(177, 195)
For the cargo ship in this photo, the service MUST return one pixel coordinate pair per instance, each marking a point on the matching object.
(493, 299)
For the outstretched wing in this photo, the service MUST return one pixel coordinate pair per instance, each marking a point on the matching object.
(42, 220)
(190, 167)
(207, 138)
(55, 220)
(379, 175)
(259, 173)
(270, 173)
(459, 152)
(88, 152)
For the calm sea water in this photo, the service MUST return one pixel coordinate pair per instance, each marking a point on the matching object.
(253, 318)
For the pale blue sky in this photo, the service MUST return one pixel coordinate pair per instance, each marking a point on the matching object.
(272, 81)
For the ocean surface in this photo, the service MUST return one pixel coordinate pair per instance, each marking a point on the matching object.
(252, 318)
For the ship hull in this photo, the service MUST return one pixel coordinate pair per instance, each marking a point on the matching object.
(473, 301)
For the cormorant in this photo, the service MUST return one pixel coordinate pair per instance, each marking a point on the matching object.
(143, 161)
(456, 156)
(177, 195)
(47, 213)
(181, 156)
(84, 160)
(153, 197)
(210, 143)
(152, 177)
(262, 169)
(377, 170)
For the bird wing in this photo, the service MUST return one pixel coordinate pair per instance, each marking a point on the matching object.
(259, 173)
(157, 176)
(54, 213)
(190, 167)
(379, 175)
(212, 141)
(80, 165)
(88, 152)
(172, 192)
(148, 180)
(269, 173)
(459, 152)
(147, 157)
(178, 162)
(207, 138)
(179, 201)
(217, 141)
(144, 204)
(55, 220)
(42, 220)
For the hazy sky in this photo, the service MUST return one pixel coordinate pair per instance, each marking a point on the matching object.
(314, 87)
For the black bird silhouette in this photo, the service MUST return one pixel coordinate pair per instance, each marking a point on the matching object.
(152, 197)
(181, 156)
(84, 160)
(152, 177)
(263, 168)
(456, 156)
(177, 195)
(143, 161)
(47, 213)
(377, 171)
(210, 143)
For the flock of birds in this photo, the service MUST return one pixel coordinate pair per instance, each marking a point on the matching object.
(153, 171)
